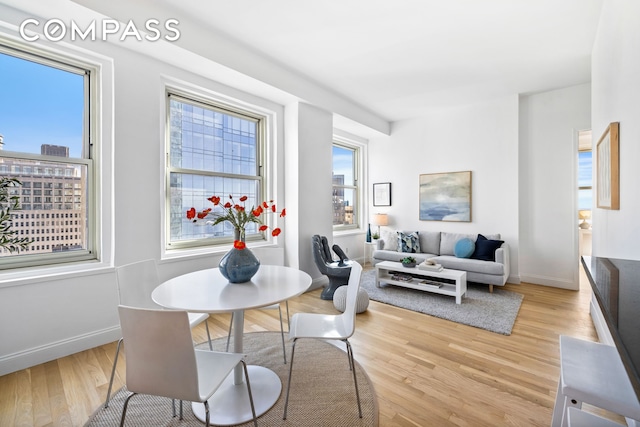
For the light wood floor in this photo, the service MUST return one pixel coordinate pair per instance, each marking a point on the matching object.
(426, 371)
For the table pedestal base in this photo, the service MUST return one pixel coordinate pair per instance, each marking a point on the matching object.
(230, 405)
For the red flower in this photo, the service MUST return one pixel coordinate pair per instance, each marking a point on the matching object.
(204, 213)
(235, 214)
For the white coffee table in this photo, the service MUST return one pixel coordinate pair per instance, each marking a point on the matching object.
(386, 269)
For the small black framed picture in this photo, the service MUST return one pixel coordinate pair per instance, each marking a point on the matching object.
(382, 194)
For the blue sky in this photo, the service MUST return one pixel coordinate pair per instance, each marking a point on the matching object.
(39, 105)
(343, 163)
(585, 173)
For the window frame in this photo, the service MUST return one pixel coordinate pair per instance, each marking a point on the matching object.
(91, 73)
(358, 178)
(228, 107)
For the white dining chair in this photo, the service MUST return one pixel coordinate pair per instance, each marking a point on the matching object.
(328, 327)
(161, 359)
(135, 283)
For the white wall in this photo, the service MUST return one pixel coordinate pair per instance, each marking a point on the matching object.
(308, 160)
(482, 138)
(616, 98)
(549, 123)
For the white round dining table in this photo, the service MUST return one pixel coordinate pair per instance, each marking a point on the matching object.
(208, 291)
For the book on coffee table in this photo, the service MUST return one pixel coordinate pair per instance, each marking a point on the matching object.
(431, 283)
(430, 267)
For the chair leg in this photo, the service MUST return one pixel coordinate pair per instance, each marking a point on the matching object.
(286, 401)
(206, 325)
(288, 326)
(284, 350)
(253, 408)
(229, 335)
(124, 409)
(113, 373)
(355, 381)
(206, 411)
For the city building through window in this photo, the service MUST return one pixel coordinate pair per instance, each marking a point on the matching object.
(214, 150)
(346, 160)
(44, 143)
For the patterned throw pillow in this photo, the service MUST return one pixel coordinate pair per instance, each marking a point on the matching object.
(408, 242)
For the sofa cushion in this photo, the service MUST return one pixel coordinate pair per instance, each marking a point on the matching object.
(486, 248)
(389, 239)
(448, 241)
(408, 242)
(464, 248)
(430, 242)
(470, 265)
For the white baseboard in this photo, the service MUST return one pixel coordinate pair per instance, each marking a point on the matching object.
(553, 282)
(45, 353)
(514, 280)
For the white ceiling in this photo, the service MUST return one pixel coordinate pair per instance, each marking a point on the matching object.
(401, 58)
(374, 61)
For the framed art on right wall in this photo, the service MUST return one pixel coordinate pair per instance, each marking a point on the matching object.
(608, 169)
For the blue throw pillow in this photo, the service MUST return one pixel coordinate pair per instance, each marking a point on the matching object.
(464, 248)
(486, 249)
(408, 242)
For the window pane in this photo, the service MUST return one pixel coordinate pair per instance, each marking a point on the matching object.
(209, 140)
(41, 107)
(585, 169)
(343, 165)
(42, 113)
(193, 190)
(344, 209)
(51, 203)
(585, 199)
(224, 146)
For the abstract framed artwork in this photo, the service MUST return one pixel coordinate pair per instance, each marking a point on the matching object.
(382, 194)
(608, 169)
(445, 196)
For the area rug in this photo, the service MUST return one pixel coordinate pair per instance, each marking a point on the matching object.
(322, 390)
(495, 312)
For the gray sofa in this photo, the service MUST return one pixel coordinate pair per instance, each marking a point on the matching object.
(440, 246)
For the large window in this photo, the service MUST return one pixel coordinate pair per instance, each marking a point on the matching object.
(44, 123)
(214, 150)
(346, 191)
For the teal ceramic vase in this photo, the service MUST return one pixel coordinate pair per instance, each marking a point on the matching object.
(239, 265)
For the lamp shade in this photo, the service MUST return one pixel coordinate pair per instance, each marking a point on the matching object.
(584, 214)
(380, 219)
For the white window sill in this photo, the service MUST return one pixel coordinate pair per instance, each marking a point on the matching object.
(31, 275)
